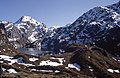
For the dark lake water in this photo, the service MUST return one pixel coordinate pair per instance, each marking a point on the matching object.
(34, 51)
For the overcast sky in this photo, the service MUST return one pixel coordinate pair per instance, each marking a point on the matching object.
(50, 12)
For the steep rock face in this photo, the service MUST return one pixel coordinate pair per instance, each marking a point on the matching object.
(90, 28)
(14, 35)
(5, 46)
(50, 33)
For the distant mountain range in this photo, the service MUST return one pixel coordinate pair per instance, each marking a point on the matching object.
(99, 26)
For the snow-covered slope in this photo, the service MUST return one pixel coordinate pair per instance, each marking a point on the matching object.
(94, 27)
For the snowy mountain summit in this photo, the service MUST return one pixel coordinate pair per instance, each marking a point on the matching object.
(32, 28)
(28, 19)
(26, 32)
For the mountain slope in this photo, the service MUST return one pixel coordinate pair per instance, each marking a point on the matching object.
(94, 27)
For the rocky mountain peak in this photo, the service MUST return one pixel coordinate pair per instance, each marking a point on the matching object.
(28, 19)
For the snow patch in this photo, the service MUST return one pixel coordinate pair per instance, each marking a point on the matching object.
(5, 57)
(61, 60)
(13, 39)
(46, 70)
(11, 60)
(91, 69)
(89, 57)
(75, 66)
(33, 59)
(118, 44)
(112, 71)
(32, 37)
(50, 63)
(56, 71)
(3, 69)
(4, 49)
(105, 8)
(93, 23)
(1, 61)
(114, 58)
(26, 64)
(11, 71)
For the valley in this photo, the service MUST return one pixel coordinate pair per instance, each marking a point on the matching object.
(87, 48)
